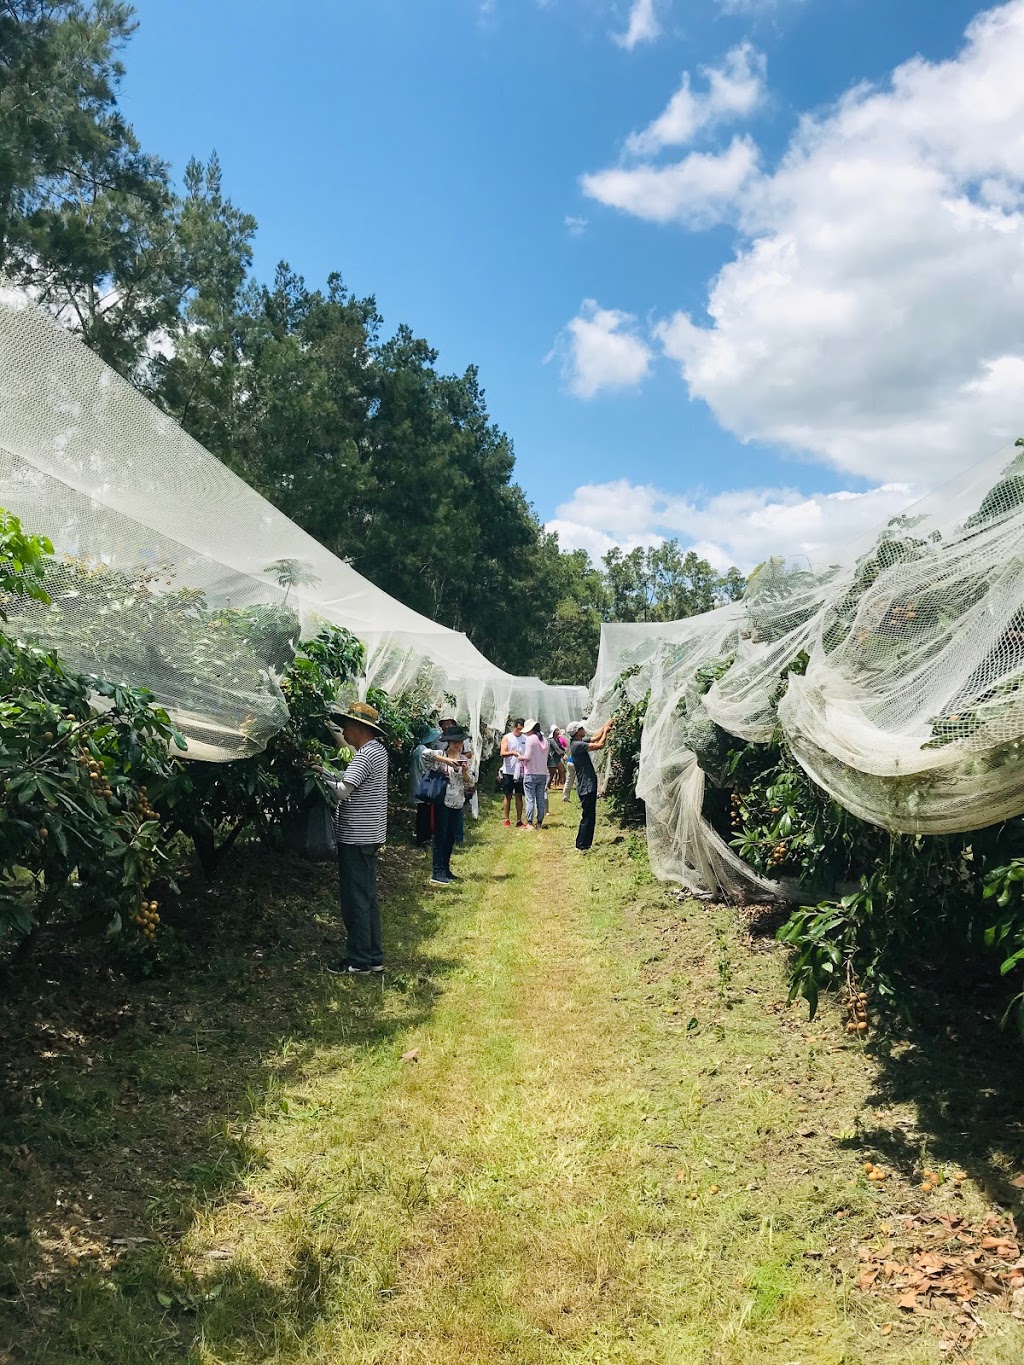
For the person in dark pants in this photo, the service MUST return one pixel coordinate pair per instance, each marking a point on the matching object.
(362, 826)
(423, 826)
(580, 749)
(447, 724)
(447, 807)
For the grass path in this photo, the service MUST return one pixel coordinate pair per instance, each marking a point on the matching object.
(573, 1124)
(570, 1168)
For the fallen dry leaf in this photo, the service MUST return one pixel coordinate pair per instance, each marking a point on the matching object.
(412, 1055)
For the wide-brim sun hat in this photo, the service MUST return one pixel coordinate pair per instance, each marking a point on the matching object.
(359, 711)
(447, 736)
(530, 725)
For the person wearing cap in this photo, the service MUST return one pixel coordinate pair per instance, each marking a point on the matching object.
(535, 774)
(580, 749)
(458, 787)
(362, 827)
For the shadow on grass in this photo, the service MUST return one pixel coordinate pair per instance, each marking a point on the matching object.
(949, 1060)
(964, 1076)
(127, 1083)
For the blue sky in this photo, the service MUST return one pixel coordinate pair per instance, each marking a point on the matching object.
(514, 179)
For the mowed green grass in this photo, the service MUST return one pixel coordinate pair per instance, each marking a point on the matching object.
(573, 1123)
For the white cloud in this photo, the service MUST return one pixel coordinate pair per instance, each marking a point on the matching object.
(741, 527)
(699, 190)
(575, 226)
(643, 26)
(600, 349)
(874, 316)
(735, 89)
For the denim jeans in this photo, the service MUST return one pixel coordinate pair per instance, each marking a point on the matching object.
(536, 797)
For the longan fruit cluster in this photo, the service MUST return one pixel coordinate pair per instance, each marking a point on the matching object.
(147, 919)
(876, 1174)
(96, 773)
(857, 1010)
(146, 811)
(778, 855)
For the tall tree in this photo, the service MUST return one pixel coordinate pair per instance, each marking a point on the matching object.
(664, 583)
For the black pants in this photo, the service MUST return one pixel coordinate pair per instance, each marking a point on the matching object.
(422, 828)
(585, 836)
(446, 825)
(360, 910)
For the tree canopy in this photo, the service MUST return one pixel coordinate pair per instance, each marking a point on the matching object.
(355, 434)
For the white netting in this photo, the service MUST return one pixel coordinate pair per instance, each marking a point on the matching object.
(910, 712)
(177, 576)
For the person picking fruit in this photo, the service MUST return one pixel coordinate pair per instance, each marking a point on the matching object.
(362, 827)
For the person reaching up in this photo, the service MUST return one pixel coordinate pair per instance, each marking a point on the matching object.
(580, 749)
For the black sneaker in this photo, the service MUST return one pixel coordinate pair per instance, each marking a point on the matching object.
(347, 968)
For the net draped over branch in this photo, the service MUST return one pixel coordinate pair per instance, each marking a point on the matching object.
(173, 574)
(894, 672)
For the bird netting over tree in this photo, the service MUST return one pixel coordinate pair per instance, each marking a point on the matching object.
(894, 672)
(175, 575)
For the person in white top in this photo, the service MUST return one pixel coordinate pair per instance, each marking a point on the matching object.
(513, 746)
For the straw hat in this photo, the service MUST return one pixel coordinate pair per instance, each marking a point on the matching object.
(362, 712)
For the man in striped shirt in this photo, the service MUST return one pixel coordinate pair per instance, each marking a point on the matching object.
(362, 825)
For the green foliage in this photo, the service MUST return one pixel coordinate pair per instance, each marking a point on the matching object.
(783, 825)
(1004, 885)
(623, 744)
(664, 583)
(77, 757)
(23, 560)
(127, 622)
(213, 803)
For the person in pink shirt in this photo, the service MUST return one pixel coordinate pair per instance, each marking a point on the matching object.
(535, 774)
